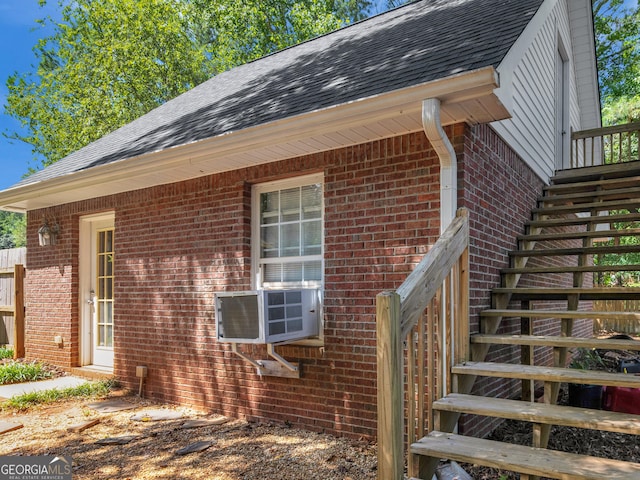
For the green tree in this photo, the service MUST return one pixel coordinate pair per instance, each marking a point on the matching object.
(12, 230)
(617, 30)
(107, 63)
(235, 33)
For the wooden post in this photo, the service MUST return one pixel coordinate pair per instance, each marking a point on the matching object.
(18, 316)
(461, 319)
(390, 387)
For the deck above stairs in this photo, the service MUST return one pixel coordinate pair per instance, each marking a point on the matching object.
(584, 214)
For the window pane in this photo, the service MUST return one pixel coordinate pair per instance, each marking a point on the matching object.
(312, 238)
(108, 244)
(108, 313)
(311, 201)
(290, 200)
(313, 270)
(108, 336)
(269, 207)
(290, 240)
(272, 272)
(292, 272)
(269, 247)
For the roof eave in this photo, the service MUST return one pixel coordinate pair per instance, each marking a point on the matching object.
(466, 97)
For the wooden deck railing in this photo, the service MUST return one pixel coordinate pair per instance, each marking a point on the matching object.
(601, 146)
(426, 322)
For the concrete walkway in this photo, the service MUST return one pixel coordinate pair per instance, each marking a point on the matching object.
(8, 391)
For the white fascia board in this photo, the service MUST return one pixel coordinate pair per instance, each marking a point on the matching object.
(197, 156)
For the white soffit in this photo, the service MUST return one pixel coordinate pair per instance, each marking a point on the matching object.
(467, 97)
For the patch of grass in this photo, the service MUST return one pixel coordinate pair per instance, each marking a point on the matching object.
(5, 353)
(90, 389)
(17, 372)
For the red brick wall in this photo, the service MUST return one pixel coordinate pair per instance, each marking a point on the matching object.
(177, 244)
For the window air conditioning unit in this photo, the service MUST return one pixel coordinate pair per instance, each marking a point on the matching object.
(266, 316)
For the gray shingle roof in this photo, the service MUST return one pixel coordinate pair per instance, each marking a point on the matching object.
(414, 44)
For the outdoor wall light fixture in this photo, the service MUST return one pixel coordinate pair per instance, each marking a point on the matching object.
(48, 234)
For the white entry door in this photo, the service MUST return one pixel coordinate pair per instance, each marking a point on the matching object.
(97, 257)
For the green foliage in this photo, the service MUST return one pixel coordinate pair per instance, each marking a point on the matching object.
(5, 353)
(617, 49)
(13, 230)
(587, 359)
(27, 400)
(16, 372)
(105, 65)
(617, 111)
(108, 63)
(621, 279)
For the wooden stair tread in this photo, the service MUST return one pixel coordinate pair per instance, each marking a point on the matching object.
(624, 204)
(588, 196)
(618, 249)
(555, 341)
(523, 459)
(540, 413)
(573, 269)
(586, 293)
(547, 374)
(597, 172)
(512, 313)
(591, 219)
(589, 186)
(541, 237)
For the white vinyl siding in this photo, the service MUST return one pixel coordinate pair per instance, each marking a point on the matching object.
(528, 88)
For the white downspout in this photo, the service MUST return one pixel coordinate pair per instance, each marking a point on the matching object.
(448, 164)
(448, 196)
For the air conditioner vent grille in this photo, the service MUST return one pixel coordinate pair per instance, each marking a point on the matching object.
(267, 316)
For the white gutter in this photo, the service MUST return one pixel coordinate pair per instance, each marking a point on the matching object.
(448, 162)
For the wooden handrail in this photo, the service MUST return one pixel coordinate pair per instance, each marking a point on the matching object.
(424, 281)
(600, 132)
(433, 301)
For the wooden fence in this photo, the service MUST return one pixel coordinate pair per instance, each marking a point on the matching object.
(12, 263)
(621, 326)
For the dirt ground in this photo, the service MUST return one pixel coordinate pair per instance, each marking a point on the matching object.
(238, 450)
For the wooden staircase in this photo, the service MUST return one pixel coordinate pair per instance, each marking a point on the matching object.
(578, 210)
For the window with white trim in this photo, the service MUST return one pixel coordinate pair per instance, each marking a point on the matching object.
(287, 241)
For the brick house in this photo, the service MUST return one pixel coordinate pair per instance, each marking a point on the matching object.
(330, 167)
